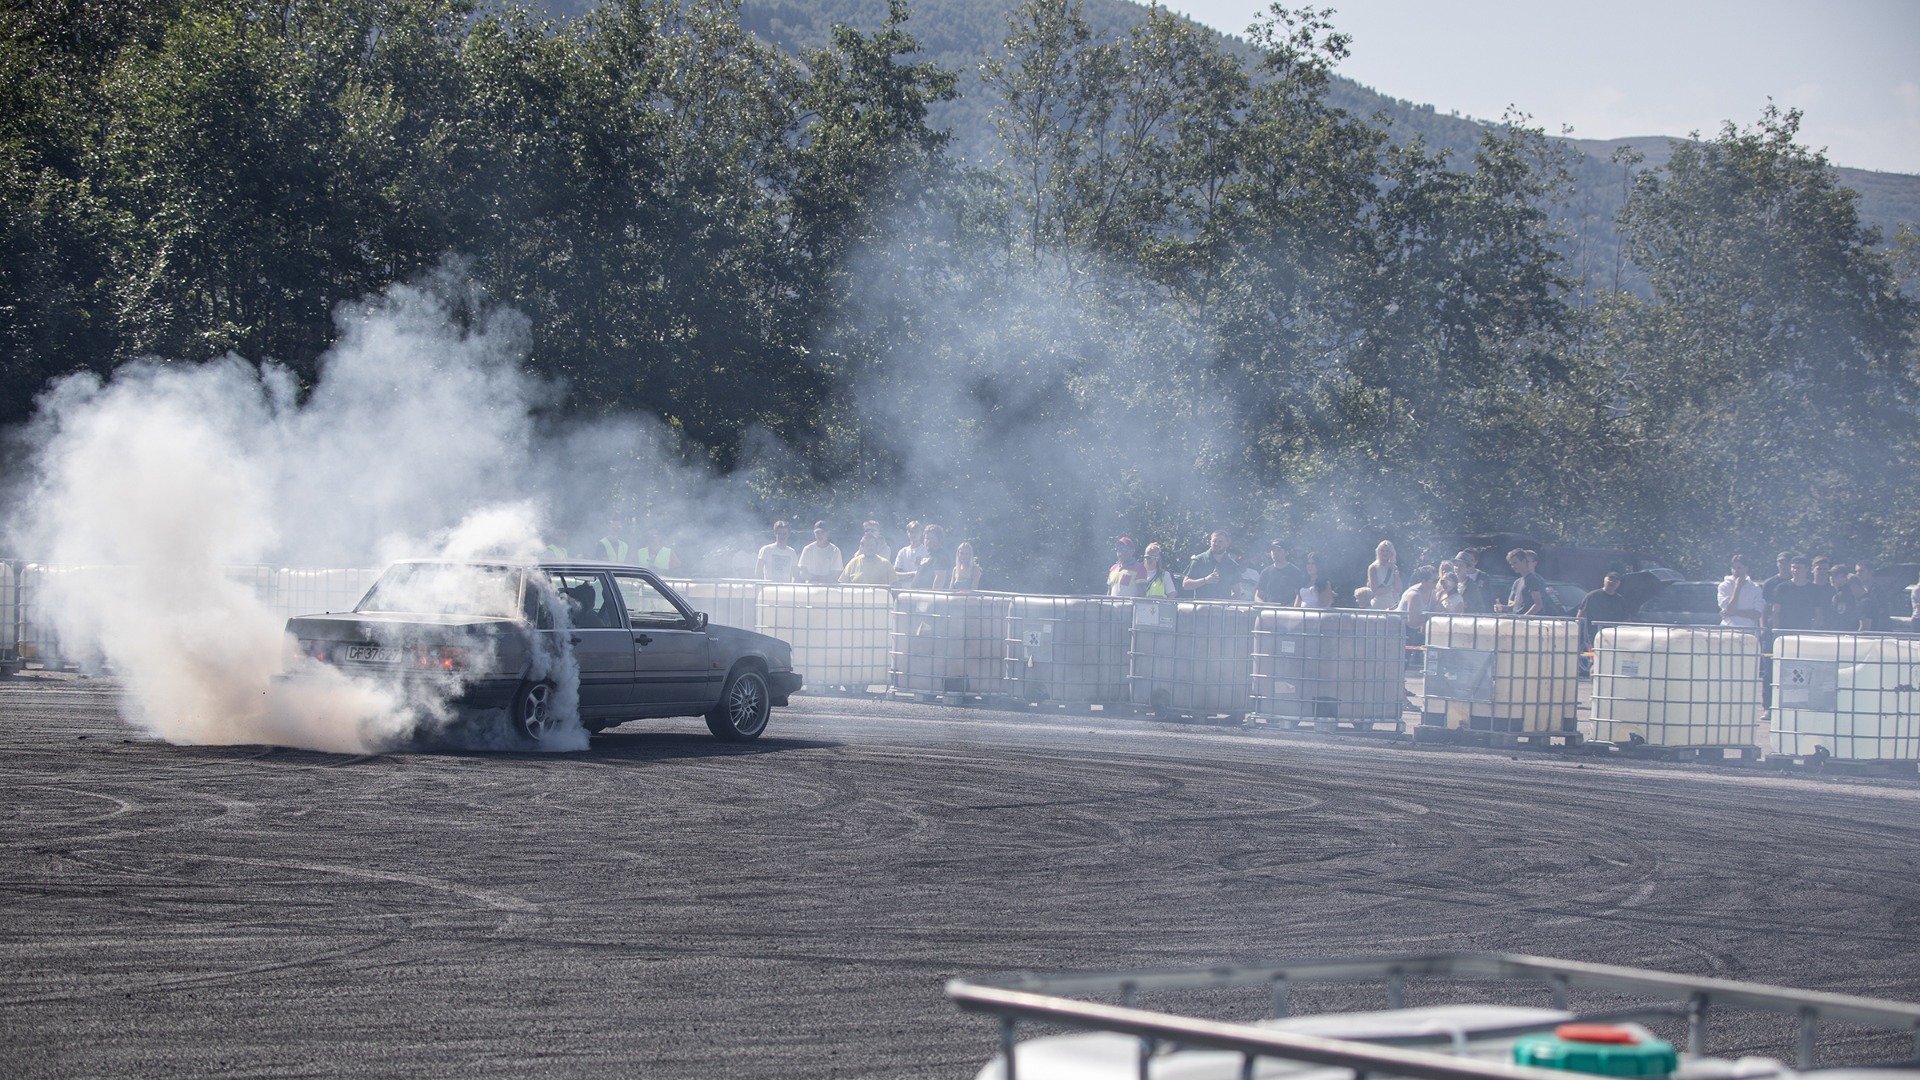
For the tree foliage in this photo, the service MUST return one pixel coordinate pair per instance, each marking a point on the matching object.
(1191, 291)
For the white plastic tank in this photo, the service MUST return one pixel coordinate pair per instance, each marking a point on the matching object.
(727, 603)
(43, 589)
(838, 632)
(9, 613)
(948, 643)
(1855, 697)
(1192, 657)
(1679, 686)
(1502, 673)
(1068, 648)
(317, 592)
(1329, 665)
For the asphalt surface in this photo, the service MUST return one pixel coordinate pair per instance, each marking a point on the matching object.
(666, 905)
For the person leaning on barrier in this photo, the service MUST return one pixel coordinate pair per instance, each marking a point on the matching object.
(1418, 604)
(868, 566)
(1212, 573)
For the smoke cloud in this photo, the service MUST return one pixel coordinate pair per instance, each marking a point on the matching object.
(421, 436)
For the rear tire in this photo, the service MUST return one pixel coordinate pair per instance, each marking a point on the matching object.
(533, 710)
(744, 706)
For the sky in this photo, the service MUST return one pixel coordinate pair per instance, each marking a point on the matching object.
(1635, 67)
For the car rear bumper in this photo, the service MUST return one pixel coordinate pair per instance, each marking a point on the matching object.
(783, 684)
(491, 692)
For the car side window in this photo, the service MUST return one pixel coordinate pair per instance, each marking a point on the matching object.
(646, 604)
(589, 602)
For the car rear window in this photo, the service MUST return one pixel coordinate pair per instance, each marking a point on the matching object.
(446, 589)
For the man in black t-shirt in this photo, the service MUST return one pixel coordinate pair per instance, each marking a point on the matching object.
(1603, 607)
(1798, 603)
(1280, 581)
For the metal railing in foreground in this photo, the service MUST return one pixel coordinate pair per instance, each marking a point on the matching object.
(1048, 998)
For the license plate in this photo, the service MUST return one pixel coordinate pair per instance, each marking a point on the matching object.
(373, 654)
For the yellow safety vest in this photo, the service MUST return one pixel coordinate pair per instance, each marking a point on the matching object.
(654, 559)
(615, 550)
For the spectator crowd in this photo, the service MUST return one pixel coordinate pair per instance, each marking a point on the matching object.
(1804, 593)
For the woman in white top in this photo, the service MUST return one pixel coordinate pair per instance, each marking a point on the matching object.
(966, 569)
(1451, 593)
(1383, 577)
(1317, 592)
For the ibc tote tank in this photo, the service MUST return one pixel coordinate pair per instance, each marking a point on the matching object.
(1502, 673)
(1192, 657)
(1068, 648)
(9, 613)
(1677, 686)
(948, 643)
(838, 632)
(727, 603)
(1329, 665)
(1852, 695)
(312, 592)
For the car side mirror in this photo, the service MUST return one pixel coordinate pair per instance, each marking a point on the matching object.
(699, 620)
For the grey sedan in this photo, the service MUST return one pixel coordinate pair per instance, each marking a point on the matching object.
(498, 635)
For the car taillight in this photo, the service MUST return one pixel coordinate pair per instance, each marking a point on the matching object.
(313, 650)
(442, 658)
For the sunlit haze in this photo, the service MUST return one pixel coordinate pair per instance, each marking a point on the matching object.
(1638, 67)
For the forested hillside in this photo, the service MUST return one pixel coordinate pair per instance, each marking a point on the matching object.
(1191, 284)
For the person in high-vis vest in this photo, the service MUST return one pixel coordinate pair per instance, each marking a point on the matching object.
(657, 558)
(1159, 580)
(612, 548)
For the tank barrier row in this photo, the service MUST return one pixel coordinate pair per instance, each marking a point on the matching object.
(1490, 679)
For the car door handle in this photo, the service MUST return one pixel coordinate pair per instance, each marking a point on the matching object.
(574, 640)
(643, 640)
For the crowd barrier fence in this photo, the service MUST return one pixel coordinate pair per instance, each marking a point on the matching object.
(1853, 697)
(1516, 674)
(1688, 687)
(1850, 697)
(1329, 666)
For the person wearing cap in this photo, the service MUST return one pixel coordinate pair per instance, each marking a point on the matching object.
(820, 562)
(1280, 580)
(1128, 575)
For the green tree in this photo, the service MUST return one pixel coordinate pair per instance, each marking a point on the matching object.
(1770, 384)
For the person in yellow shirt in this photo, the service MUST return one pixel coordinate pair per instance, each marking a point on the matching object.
(868, 566)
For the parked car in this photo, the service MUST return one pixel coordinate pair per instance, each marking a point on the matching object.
(1683, 603)
(489, 636)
